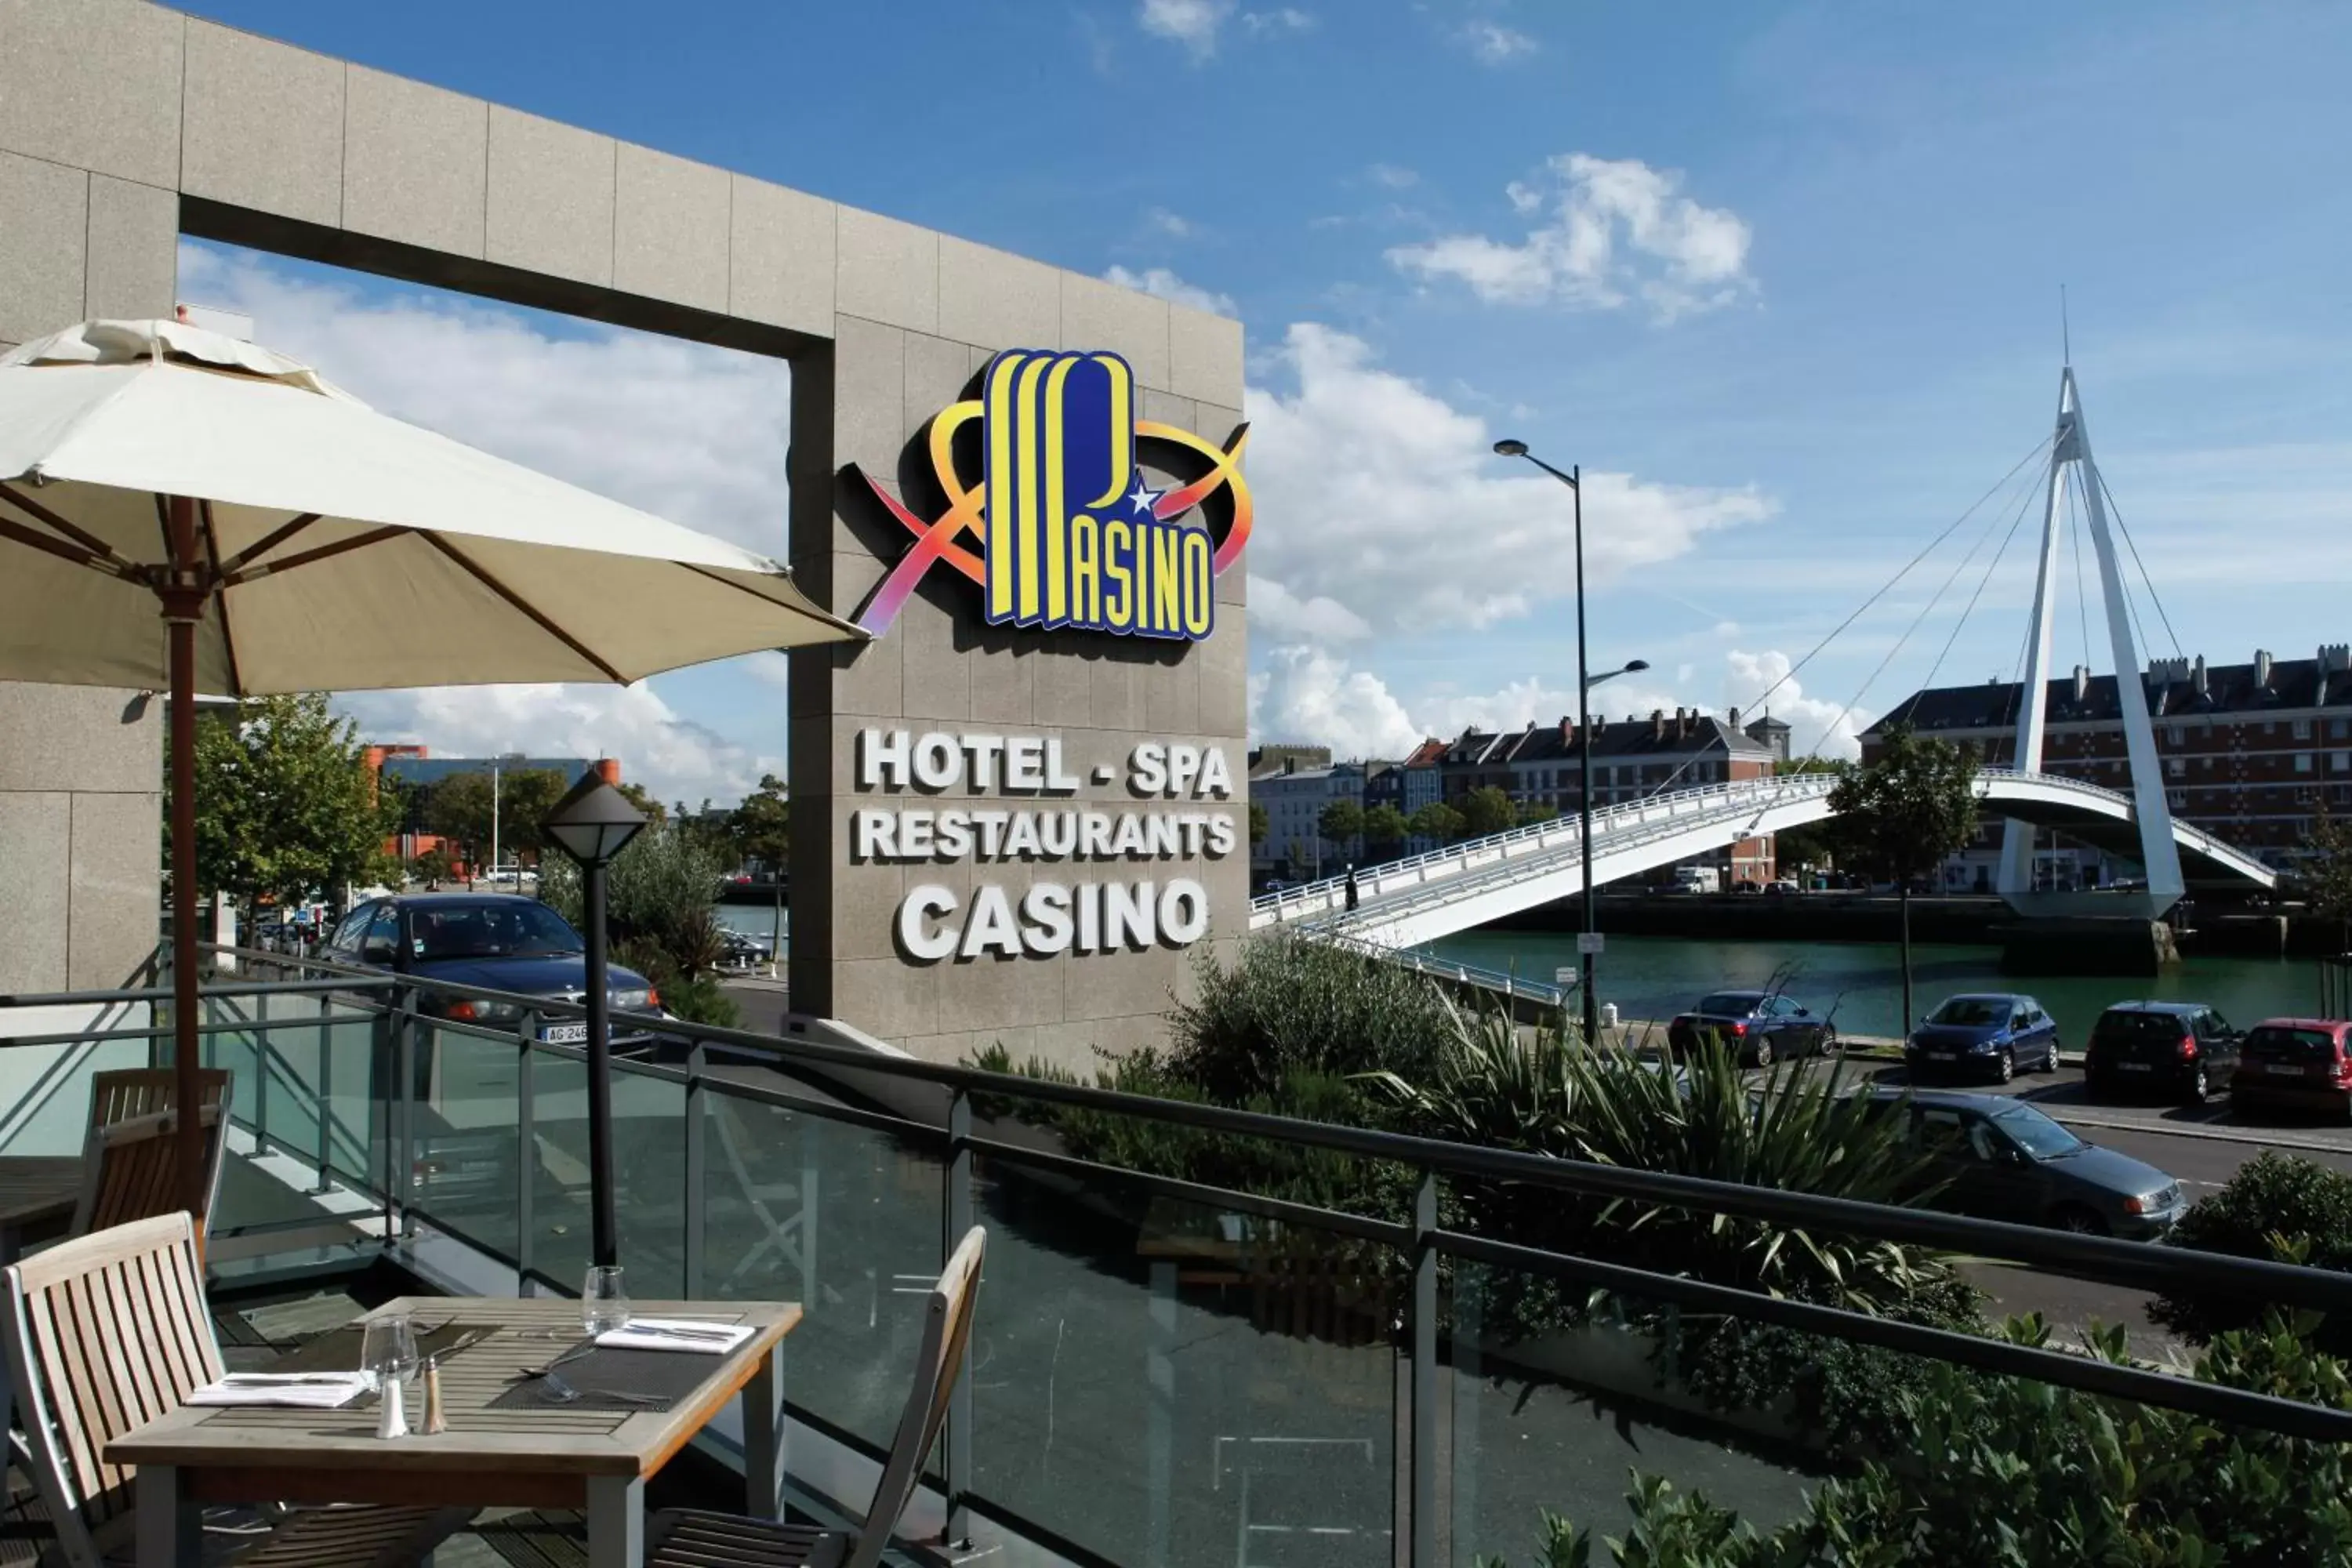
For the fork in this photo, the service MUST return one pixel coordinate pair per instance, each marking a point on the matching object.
(560, 1392)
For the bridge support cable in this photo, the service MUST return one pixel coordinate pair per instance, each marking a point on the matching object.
(2017, 521)
(2024, 501)
(2146, 581)
(1885, 588)
(1998, 487)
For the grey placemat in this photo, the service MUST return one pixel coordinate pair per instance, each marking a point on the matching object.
(338, 1350)
(657, 1380)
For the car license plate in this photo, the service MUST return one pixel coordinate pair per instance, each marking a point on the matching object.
(2284, 1070)
(1939, 1056)
(2134, 1067)
(565, 1034)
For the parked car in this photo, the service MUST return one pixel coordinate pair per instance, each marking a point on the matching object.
(2177, 1049)
(1760, 1025)
(1747, 885)
(497, 942)
(1999, 1158)
(1782, 887)
(2299, 1064)
(1988, 1033)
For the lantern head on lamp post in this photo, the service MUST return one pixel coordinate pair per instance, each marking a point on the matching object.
(592, 823)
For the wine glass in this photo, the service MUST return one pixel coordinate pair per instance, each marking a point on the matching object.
(388, 1350)
(604, 1304)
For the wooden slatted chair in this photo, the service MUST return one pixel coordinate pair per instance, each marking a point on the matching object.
(681, 1539)
(109, 1331)
(131, 1170)
(119, 1094)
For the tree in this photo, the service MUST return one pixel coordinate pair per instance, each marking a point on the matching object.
(1340, 822)
(286, 803)
(637, 795)
(1906, 815)
(761, 827)
(2324, 873)
(432, 868)
(1437, 820)
(1488, 810)
(458, 809)
(1535, 811)
(661, 894)
(1261, 826)
(525, 797)
(1385, 828)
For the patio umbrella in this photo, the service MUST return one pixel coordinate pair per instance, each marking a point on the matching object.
(294, 540)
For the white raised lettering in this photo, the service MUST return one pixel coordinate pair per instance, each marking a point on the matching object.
(1021, 837)
(924, 946)
(915, 835)
(1128, 915)
(1046, 909)
(1024, 762)
(1146, 770)
(1165, 837)
(954, 835)
(992, 831)
(1216, 779)
(1183, 768)
(1221, 837)
(1056, 780)
(1183, 912)
(882, 759)
(1094, 836)
(939, 761)
(874, 835)
(1128, 845)
(983, 750)
(1057, 831)
(990, 928)
(1089, 917)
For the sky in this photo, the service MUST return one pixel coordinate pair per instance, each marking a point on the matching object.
(1784, 280)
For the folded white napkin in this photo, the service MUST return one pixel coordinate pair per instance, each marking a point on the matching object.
(301, 1390)
(677, 1334)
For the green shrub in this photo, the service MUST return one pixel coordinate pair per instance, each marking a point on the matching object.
(1544, 1093)
(1288, 1006)
(2278, 1207)
(2015, 1474)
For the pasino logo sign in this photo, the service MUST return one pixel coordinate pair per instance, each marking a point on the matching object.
(1058, 527)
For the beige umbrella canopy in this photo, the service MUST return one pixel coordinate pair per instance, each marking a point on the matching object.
(293, 539)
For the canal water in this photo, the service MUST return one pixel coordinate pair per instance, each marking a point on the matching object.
(1861, 984)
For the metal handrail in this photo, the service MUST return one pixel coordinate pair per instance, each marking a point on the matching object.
(1424, 1240)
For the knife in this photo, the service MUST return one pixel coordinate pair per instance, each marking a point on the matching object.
(665, 1331)
(282, 1379)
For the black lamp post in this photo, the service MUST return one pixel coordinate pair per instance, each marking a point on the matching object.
(1584, 685)
(592, 823)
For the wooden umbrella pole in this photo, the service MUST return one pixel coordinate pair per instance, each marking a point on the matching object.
(182, 605)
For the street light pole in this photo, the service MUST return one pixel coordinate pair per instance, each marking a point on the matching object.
(1585, 682)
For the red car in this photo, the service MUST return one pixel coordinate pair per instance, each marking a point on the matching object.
(2302, 1064)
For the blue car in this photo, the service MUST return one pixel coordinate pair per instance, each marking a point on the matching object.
(1985, 1034)
(493, 940)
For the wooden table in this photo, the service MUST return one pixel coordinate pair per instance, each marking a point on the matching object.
(38, 1196)
(594, 1460)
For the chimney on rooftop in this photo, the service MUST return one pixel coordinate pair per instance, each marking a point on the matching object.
(2082, 682)
(2197, 675)
(1657, 723)
(2262, 669)
(1735, 717)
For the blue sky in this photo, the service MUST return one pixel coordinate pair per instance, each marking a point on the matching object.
(1783, 278)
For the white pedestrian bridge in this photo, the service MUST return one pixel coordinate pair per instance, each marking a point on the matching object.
(1404, 904)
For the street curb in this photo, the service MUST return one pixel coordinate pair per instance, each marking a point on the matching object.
(2173, 1129)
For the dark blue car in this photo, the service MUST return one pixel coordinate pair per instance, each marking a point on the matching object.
(1760, 1026)
(496, 942)
(1984, 1034)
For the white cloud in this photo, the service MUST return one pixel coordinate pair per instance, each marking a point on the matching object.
(1275, 612)
(1305, 695)
(694, 434)
(1828, 728)
(1174, 226)
(1168, 285)
(1395, 177)
(1495, 43)
(1384, 501)
(1281, 19)
(1191, 23)
(1619, 235)
(674, 757)
(691, 433)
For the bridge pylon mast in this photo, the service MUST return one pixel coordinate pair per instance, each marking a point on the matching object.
(2071, 449)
